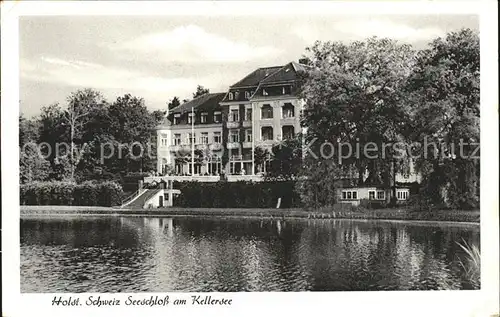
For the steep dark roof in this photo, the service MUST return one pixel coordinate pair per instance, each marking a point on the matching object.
(284, 74)
(255, 77)
(265, 76)
(207, 102)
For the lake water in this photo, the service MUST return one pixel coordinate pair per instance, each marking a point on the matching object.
(144, 254)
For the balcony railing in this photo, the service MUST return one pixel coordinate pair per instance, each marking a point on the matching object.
(266, 143)
(178, 178)
(236, 158)
(288, 121)
(247, 124)
(238, 178)
(175, 148)
(215, 147)
(199, 178)
(232, 124)
(199, 146)
(202, 146)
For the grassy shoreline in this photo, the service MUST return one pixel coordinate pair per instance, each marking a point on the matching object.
(375, 214)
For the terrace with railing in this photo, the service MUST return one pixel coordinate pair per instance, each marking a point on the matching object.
(203, 178)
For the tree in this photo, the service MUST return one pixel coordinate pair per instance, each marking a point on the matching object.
(158, 116)
(200, 91)
(286, 160)
(131, 126)
(261, 156)
(316, 183)
(32, 166)
(101, 136)
(173, 103)
(353, 94)
(444, 97)
(61, 169)
(80, 105)
(28, 130)
(51, 130)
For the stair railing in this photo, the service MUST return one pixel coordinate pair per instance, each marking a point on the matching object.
(129, 199)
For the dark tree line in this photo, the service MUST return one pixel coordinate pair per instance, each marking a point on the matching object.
(91, 138)
(376, 91)
(382, 92)
(88, 138)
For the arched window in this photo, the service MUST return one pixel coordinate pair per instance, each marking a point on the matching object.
(230, 96)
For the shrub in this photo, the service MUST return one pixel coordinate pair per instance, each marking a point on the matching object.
(472, 264)
(130, 182)
(109, 194)
(67, 193)
(85, 194)
(237, 194)
(100, 176)
(372, 204)
(317, 183)
(63, 192)
(139, 175)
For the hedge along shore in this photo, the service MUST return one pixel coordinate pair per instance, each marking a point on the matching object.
(461, 216)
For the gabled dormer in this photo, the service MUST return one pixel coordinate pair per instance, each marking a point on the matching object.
(206, 110)
(244, 89)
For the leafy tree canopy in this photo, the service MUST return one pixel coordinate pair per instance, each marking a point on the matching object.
(353, 94)
(200, 91)
(173, 103)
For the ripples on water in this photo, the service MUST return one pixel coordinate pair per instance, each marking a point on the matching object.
(135, 254)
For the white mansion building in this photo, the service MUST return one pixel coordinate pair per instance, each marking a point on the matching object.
(217, 133)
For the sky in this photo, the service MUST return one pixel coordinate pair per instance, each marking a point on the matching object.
(159, 57)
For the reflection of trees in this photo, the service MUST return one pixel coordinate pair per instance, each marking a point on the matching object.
(232, 255)
(352, 255)
(86, 254)
(198, 262)
(439, 268)
(408, 261)
(341, 259)
(161, 254)
(251, 255)
(286, 272)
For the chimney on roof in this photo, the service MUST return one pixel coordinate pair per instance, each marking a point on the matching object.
(304, 61)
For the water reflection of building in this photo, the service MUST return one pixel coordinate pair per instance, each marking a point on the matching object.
(252, 265)
(164, 254)
(157, 237)
(417, 265)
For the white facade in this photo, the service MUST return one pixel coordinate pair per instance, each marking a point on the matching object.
(280, 122)
(178, 141)
(163, 143)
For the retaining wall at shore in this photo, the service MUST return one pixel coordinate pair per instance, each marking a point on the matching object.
(387, 214)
